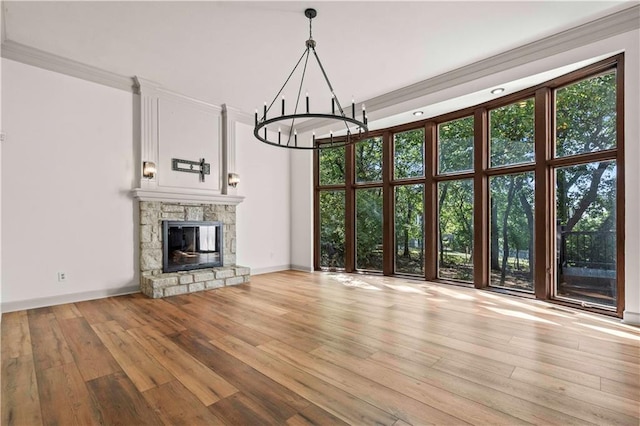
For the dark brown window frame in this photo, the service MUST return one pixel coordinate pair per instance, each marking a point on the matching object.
(543, 167)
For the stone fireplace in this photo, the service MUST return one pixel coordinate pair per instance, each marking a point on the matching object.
(153, 281)
(175, 128)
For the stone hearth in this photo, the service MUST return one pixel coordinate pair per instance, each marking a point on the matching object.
(153, 282)
(175, 283)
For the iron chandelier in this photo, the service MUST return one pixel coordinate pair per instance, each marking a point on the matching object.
(290, 140)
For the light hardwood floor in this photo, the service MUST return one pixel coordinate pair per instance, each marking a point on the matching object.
(298, 348)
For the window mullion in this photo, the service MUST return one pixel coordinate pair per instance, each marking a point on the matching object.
(543, 243)
(430, 203)
(350, 208)
(620, 200)
(481, 201)
(388, 231)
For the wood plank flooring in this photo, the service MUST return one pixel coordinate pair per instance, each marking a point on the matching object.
(298, 348)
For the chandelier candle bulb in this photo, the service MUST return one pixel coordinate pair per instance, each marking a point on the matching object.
(279, 134)
(364, 114)
(307, 95)
(295, 137)
(333, 104)
(313, 137)
(353, 108)
(256, 116)
(331, 135)
(283, 105)
(264, 117)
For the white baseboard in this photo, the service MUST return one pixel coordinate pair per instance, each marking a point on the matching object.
(631, 318)
(302, 268)
(268, 269)
(66, 298)
(278, 268)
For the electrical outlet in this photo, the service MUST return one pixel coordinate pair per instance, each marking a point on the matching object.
(62, 276)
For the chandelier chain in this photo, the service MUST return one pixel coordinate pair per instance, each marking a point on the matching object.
(326, 78)
(284, 85)
(295, 110)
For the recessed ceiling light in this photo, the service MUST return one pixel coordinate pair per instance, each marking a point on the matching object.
(418, 113)
(497, 90)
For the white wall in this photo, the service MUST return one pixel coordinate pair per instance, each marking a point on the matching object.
(263, 218)
(67, 170)
(302, 185)
(302, 210)
(67, 175)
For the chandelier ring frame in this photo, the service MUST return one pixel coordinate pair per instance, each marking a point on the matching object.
(341, 141)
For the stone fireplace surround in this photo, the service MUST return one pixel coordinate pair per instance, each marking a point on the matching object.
(205, 132)
(153, 282)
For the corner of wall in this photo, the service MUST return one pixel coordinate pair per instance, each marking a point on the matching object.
(301, 188)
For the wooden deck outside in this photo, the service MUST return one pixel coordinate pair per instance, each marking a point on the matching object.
(298, 348)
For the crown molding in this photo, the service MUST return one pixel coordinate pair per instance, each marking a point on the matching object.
(608, 26)
(39, 58)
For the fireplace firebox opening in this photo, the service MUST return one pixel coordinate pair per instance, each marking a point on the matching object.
(191, 245)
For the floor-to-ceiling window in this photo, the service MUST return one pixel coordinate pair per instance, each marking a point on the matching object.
(368, 204)
(511, 195)
(408, 201)
(585, 191)
(455, 199)
(516, 195)
(331, 178)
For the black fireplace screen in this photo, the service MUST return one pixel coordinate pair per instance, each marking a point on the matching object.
(191, 245)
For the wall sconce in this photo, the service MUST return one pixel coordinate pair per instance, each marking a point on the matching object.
(233, 179)
(149, 169)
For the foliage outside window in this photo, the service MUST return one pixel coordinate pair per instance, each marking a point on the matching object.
(332, 230)
(369, 160)
(586, 116)
(332, 166)
(586, 232)
(455, 146)
(455, 230)
(408, 154)
(512, 134)
(369, 229)
(409, 227)
(511, 251)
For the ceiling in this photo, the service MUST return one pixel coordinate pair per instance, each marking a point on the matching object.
(239, 53)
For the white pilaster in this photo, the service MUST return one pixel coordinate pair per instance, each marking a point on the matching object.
(230, 116)
(148, 92)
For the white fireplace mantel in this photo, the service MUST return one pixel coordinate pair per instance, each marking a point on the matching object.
(185, 196)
